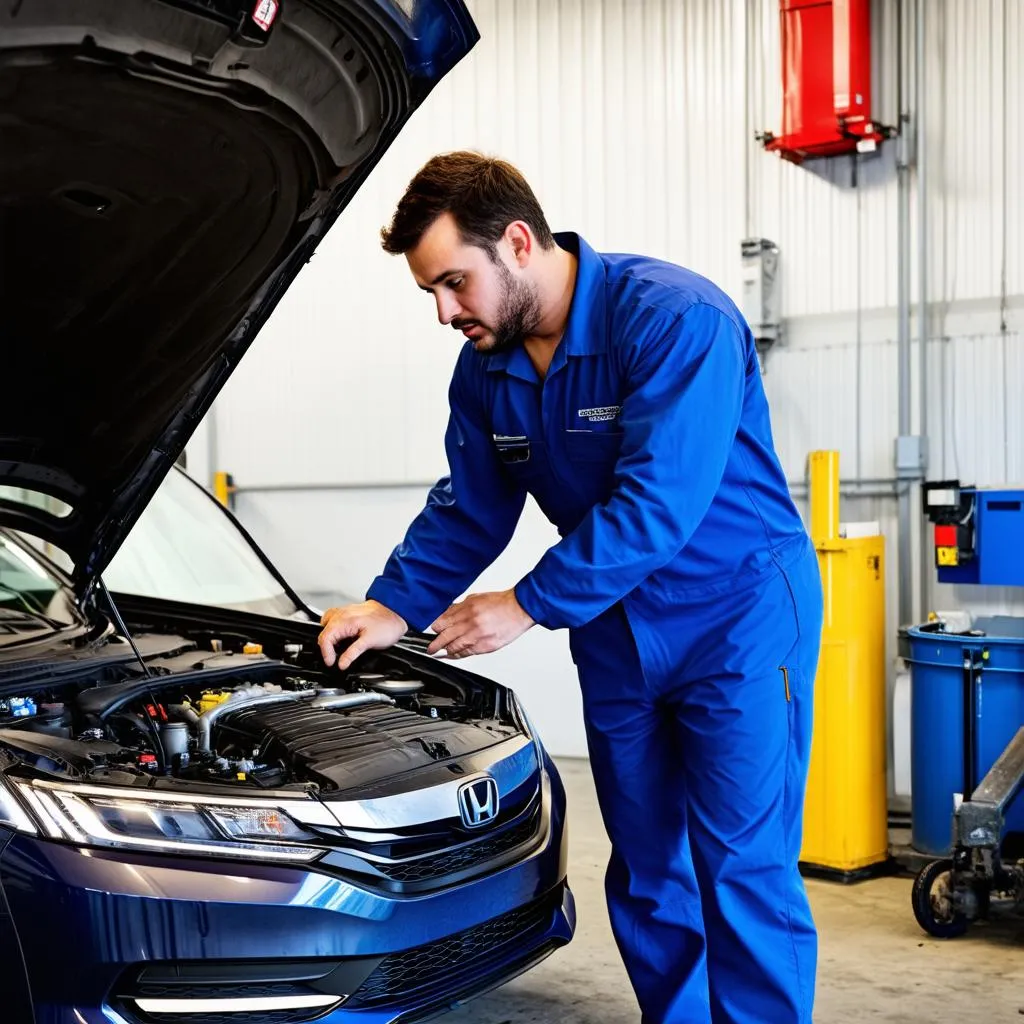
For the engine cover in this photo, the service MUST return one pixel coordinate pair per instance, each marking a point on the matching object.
(344, 748)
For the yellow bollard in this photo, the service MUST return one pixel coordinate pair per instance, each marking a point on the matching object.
(223, 488)
(823, 469)
(845, 811)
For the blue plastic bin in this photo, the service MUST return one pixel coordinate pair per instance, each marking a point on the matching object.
(966, 704)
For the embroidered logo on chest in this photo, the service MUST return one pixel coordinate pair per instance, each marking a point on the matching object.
(600, 414)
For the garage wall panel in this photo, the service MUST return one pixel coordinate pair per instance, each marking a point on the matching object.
(630, 118)
(599, 106)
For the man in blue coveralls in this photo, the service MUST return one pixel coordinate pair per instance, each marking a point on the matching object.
(624, 394)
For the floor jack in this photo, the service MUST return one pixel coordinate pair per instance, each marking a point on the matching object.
(949, 894)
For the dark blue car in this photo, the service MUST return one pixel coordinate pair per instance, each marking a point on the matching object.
(199, 824)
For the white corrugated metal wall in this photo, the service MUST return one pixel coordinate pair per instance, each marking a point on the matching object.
(634, 120)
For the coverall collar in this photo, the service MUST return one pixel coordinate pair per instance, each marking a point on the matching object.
(585, 333)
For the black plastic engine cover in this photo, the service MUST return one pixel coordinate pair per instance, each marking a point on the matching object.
(345, 748)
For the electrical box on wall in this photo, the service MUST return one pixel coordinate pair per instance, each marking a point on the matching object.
(826, 80)
(761, 302)
(977, 533)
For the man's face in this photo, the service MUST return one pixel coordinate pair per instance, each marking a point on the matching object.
(490, 301)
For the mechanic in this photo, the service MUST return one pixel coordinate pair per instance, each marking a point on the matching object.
(624, 394)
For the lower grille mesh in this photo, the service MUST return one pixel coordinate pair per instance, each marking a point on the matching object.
(443, 962)
(153, 990)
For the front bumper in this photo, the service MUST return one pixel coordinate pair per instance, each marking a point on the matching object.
(90, 922)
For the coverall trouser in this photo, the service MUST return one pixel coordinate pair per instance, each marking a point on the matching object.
(698, 718)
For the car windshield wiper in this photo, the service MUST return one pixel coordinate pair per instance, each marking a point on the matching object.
(17, 626)
(14, 623)
(30, 616)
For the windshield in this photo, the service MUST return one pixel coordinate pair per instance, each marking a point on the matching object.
(184, 548)
(31, 599)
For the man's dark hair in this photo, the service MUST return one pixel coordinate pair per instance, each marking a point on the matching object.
(484, 196)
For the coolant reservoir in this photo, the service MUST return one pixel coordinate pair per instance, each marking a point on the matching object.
(211, 698)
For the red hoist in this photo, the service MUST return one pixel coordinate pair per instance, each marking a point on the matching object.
(826, 80)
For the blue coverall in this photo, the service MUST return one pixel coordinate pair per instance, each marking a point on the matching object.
(693, 599)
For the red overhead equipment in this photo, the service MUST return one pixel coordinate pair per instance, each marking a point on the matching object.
(826, 80)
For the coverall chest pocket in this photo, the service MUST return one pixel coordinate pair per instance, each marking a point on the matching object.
(593, 445)
(593, 455)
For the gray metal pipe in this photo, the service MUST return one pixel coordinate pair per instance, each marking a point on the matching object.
(243, 703)
(337, 701)
(856, 486)
(355, 485)
(748, 117)
(184, 714)
(373, 486)
(920, 94)
(855, 481)
(905, 583)
(892, 491)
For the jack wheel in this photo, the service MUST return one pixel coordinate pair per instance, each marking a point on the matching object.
(932, 898)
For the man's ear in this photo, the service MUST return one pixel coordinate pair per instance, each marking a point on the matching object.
(521, 241)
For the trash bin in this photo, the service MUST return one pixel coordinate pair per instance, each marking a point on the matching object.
(966, 704)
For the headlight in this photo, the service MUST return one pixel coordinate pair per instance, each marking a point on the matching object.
(94, 816)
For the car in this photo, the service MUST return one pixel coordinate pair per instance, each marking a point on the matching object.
(199, 822)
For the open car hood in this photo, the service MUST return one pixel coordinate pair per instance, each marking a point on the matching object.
(166, 168)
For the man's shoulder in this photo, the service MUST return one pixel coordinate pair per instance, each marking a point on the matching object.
(643, 287)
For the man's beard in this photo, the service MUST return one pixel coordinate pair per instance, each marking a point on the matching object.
(518, 314)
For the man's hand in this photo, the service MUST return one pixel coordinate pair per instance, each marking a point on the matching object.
(479, 625)
(373, 626)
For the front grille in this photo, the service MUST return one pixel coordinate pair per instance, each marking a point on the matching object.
(445, 963)
(463, 858)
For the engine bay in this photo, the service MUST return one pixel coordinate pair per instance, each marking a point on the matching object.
(224, 711)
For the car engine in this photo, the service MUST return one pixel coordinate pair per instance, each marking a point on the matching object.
(247, 720)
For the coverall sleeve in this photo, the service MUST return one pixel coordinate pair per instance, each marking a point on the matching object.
(468, 520)
(684, 395)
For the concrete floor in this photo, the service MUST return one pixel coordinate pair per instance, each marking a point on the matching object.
(875, 964)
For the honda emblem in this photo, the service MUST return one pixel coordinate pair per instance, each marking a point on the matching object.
(478, 802)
